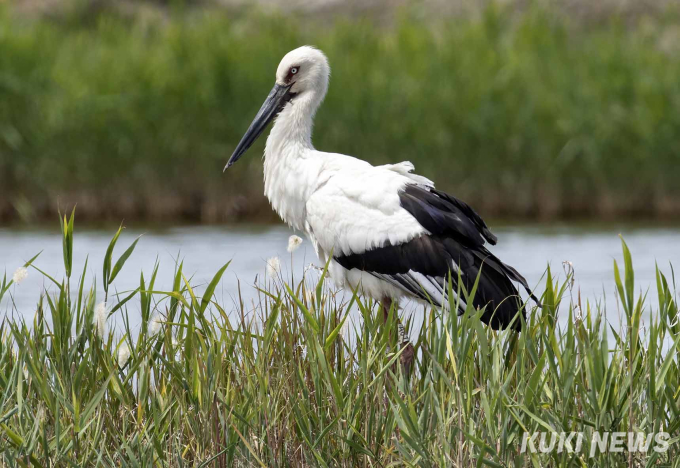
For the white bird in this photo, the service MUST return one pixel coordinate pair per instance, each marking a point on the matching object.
(390, 232)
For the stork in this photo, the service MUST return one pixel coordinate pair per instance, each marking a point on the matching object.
(389, 232)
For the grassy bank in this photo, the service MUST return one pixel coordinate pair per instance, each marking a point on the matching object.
(286, 381)
(521, 114)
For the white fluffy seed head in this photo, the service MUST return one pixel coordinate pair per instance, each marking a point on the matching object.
(344, 330)
(273, 266)
(155, 325)
(99, 320)
(311, 266)
(310, 297)
(123, 354)
(293, 243)
(19, 275)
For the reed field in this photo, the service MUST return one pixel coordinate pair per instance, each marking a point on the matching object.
(289, 380)
(519, 111)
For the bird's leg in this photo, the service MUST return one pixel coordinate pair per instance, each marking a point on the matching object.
(386, 305)
(409, 353)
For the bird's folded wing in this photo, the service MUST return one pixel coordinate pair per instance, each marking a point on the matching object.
(361, 223)
(445, 215)
(356, 211)
(384, 223)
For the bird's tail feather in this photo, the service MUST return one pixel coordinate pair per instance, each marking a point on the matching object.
(496, 291)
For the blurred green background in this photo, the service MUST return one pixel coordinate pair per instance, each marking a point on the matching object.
(527, 110)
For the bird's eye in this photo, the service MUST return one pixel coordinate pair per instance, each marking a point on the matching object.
(293, 70)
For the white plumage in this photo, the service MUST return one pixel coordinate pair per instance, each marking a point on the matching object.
(357, 210)
(371, 219)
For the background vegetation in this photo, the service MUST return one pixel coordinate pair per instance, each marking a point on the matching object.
(522, 112)
(291, 381)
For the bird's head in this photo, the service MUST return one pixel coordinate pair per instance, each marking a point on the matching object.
(302, 75)
(304, 70)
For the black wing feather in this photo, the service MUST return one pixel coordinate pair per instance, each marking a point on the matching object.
(443, 214)
(434, 257)
(455, 245)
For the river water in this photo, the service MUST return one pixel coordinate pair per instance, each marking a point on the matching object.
(529, 248)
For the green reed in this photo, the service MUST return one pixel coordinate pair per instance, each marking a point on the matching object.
(289, 380)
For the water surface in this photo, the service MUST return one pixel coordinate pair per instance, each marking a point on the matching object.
(205, 249)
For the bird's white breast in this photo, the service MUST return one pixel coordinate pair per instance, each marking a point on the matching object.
(290, 178)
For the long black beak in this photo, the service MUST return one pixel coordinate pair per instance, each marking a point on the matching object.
(278, 97)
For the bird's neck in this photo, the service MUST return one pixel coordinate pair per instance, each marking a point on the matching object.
(293, 126)
(289, 172)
